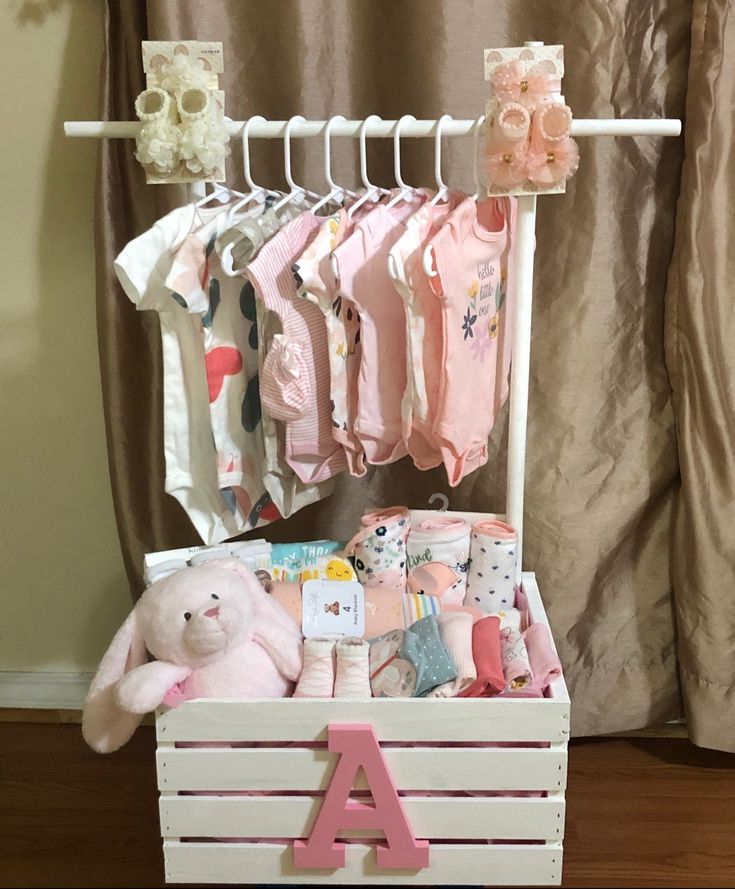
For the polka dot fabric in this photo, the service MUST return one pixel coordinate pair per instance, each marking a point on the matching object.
(493, 561)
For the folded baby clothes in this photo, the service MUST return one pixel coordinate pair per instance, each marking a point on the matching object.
(545, 664)
(410, 663)
(379, 548)
(516, 664)
(455, 629)
(302, 561)
(493, 561)
(486, 655)
(442, 539)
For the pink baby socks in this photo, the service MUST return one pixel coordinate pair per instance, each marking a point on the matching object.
(319, 679)
(353, 670)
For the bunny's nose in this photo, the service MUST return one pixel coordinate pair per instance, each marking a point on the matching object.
(213, 612)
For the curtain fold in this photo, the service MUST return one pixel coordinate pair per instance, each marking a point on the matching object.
(602, 470)
(699, 347)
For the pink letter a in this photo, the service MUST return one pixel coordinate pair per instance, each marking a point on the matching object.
(358, 746)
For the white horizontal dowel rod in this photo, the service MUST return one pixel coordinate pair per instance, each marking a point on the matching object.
(523, 250)
(275, 129)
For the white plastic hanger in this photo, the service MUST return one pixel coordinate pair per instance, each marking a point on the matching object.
(219, 192)
(405, 190)
(295, 191)
(428, 258)
(441, 187)
(257, 192)
(336, 192)
(372, 192)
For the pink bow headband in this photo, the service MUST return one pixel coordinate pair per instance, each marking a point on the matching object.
(510, 84)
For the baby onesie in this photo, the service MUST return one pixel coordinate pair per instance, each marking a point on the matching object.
(289, 493)
(225, 310)
(191, 463)
(297, 391)
(343, 332)
(423, 330)
(471, 257)
(246, 237)
(362, 264)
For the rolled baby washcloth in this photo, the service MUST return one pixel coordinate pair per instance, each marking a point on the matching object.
(442, 539)
(411, 662)
(513, 652)
(486, 655)
(493, 561)
(455, 629)
(379, 548)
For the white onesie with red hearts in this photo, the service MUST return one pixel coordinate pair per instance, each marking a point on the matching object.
(191, 470)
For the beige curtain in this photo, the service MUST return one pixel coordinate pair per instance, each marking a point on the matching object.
(603, 469)
(700, 333)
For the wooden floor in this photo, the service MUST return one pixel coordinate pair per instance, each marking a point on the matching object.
(639, 813)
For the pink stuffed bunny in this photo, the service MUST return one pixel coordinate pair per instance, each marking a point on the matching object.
(214, 632)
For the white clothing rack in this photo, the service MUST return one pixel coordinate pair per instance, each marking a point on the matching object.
(276, 129)
(523, 255)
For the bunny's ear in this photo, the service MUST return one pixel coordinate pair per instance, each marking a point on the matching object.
(105, 725)
(240, 568)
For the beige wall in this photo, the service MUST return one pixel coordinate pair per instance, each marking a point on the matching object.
(62, 585)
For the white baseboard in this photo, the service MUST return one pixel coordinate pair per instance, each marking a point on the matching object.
(43, 691)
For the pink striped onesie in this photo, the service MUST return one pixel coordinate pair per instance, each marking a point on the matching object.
(295, 380)
(362, 264)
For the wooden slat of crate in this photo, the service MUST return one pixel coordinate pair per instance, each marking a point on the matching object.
(394, 719)
(455, 818)
(414, 768)
(461, 864)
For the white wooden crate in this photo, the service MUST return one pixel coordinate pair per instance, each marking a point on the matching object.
(221, 835)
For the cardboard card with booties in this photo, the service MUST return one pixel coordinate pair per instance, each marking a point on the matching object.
(529, 147)
(183, 137)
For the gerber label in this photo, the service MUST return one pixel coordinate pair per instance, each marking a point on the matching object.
(333, 608)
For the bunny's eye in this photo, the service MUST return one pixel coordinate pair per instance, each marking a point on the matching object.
(187, 615)
(215, 596)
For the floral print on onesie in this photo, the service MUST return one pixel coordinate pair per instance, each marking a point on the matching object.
(229, 330)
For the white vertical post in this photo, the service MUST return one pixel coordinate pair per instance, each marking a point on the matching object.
(196, 190)
(523, 250)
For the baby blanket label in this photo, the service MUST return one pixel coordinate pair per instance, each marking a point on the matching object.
(333, 608)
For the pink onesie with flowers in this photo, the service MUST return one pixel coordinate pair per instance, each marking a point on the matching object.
(471, 257)
(362, 268)
(295, 379)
